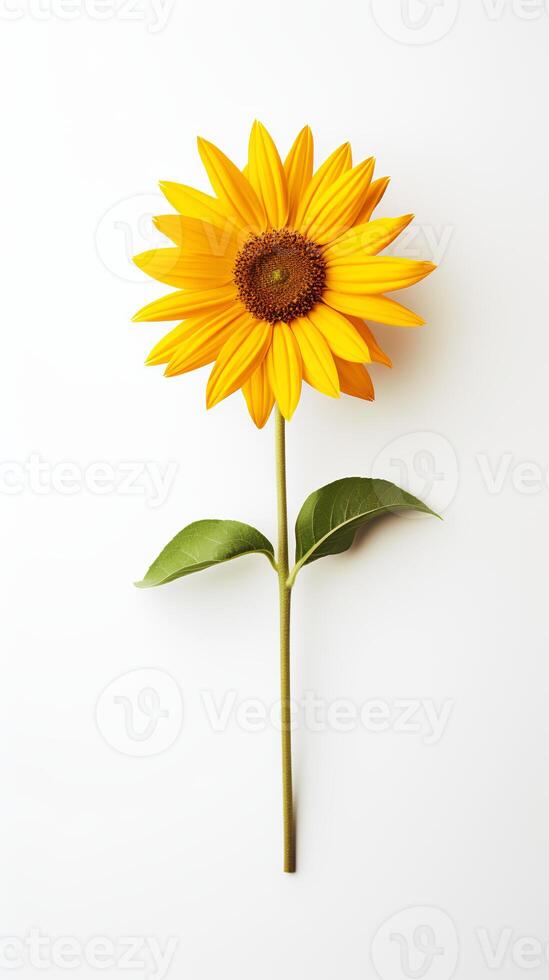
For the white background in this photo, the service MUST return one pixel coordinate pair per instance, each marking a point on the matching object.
(99, 103)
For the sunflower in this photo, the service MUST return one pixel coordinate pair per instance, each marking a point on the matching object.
(276, 274)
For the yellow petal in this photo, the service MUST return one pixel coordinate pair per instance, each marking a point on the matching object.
(200, 340)
(366, 239)
(299, 169)
(284, 369)
(333, 212)
(373, 196)
(195, 204)
(341, 336)
(319, 368)
(201, 237)
(185, 303)
(259, 395)
(267, 177)
(233, 189)
(355, 380)
(375, 274)
(164, 349)
(376, 353)
(239, 357)
(337, 163)
(172, 266)
(378, 308)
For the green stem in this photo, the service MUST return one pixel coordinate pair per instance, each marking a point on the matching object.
(284, 596)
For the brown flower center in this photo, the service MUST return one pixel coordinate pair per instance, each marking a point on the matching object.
(280, 275)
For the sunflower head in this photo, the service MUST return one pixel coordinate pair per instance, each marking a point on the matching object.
(276, 274)
(280, 275)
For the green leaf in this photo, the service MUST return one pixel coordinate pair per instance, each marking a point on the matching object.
(330, 517)
(203, 544)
